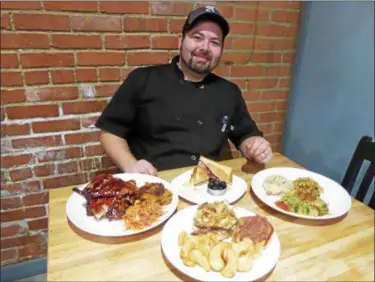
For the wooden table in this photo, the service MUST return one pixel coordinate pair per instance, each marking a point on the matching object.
(337, 250)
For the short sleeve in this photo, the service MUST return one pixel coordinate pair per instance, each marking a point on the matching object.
(243, 124)
(117, 117)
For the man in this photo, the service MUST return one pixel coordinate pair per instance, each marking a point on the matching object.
(166, 116)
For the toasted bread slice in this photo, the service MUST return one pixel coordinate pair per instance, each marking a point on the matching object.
(207, 168)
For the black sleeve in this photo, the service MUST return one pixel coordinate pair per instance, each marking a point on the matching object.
(243, 125)
(117, 117)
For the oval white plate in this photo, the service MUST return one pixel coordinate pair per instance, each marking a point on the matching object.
(76, 210)
(198, 194)
(169, 242)
(337, 198)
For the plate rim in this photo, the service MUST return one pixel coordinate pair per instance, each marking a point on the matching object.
(274, 207)
(274, 235)
(246, 186)
(170, 212)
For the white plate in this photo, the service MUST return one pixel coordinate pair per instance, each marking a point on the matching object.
(169, 242)
(76, 210)
(337, 198)
(198, 194)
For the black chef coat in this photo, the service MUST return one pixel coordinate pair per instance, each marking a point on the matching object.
(170, 122)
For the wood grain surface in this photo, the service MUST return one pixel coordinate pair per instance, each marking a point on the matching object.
(333, 250)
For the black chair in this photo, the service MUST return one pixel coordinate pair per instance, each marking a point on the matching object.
(365, 151)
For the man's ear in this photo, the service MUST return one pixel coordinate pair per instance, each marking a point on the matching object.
(180, 37)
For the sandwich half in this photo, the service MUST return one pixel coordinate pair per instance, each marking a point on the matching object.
(206, 169)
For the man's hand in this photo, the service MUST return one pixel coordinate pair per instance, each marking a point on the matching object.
(144, 167)
(256, 148)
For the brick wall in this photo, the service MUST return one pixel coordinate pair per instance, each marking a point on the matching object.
(62, 61)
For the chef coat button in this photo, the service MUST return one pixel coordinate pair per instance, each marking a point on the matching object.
(201, 87)
(193, 157)
(200, 122)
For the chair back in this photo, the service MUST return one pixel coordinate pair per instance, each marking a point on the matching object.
(365, 151)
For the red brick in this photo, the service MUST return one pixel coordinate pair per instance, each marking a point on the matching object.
(9, 255)
(24, 112)
(252, 95)
(259, 57)
(276, 30)
(20, 5)
(62, 76)
(270, 117)
(32, 251)
(62, 181)
(144, 24)
(14, 129)
(241, 83)
(109, 74)
(47, 60)
(9, 61)
(265, 127)
(24, 41)
(243, 43)
(44, 170)
(256, 107)
(125, 72)
(247, 71)
(33, 142)
(38, 224)
(13, 229)
(23, 213)
(12, 96)
(5, 21)
(100, 59)
(146, 58)
(222, 70)
(274, 44)
(262, 83)
(274, 138)
(126, 7)
(11, 78)
(72, 6)
(15, 160)
(86, 75)
(36, 77)
(277, 71)
(171, 9)
(281, 4)
(242, 28)
(52, 93)
(20, 174)
(278, 127)
(107, 162)
(127, 42)
(9, 203)
(83, 137)
(175, 25)
(243, 13)
(284, 82)
(274, 94)
(235, 57)
(106, 90)
(67, 167)
(225, 10)
(20, 241)
(95, 23)
(20, 188)
(281, 105)
(89, 122)
(65, 41)
(288, 57)
(89, 164)
(59, 155)
(56, 125)
(83, 107)
(94, 150)
(164, 42)
(286, 16)
(35, 199)
(41, 22)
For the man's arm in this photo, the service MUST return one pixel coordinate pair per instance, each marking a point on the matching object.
(118, 150)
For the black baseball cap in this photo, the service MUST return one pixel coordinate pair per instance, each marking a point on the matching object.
(209, 13)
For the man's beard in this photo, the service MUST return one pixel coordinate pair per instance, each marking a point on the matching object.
(197, 67)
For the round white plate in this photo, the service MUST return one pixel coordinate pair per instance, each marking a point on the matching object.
(337, 198)
(76, 210)
(198, 194)
(262, 265)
